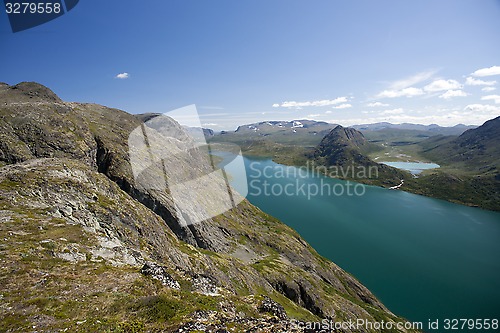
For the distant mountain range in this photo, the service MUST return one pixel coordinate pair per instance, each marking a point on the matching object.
(293, 126)
(284, 140)
(288, 141)
(469, 156)
(433, 128)
(297, 132)
(310, 132)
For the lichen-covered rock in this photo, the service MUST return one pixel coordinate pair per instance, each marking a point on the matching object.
(159, 273)
(268, 305)
(204, 285)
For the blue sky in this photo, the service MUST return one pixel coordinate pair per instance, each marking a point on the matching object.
(346, 62)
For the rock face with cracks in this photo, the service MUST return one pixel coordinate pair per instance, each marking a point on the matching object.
(77, 231)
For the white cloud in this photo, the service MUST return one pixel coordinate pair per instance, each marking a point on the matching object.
(495, 98)
(327, 112)
(122, 76)
(475, 114)
(406, 92)
(324, 102)
(403, 87)
(210, 124)
(376, 104)
(412, 80)
(393, 111)
(343, 106)
(453, 93)
(490, 109)
(440, 85)
(470, 81)
(313, 115)
(489, 71)
(488, 89)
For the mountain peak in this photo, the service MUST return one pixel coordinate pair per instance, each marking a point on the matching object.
(344, 136)
(29, 90)
(341, 146)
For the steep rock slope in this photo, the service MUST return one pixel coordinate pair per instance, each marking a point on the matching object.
(81, 228)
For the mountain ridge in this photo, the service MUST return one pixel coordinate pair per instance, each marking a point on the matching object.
(477, 148)
(433, 128)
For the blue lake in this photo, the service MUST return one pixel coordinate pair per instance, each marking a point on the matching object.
(423, 258)
(414, 167)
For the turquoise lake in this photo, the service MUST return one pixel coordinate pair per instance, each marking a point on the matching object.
(423, 258)
(414, 167)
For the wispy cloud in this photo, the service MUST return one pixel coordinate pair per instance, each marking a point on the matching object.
(488, 89)
(376, 104)
(453, 93)
(405, 87)
(495, 98)
(122, 76)
(406, 92)
(324, 102)
(343, 106)
(489, 71)
(470, 81)
(412, 80)
(328, 112)
(440, 85)
(474, 114)
(315, 115)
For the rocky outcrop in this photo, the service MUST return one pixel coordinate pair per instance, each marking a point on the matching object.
(270, 306)
(159, 273)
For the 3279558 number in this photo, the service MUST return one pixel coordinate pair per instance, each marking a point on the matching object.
(471, 324)
(32, 8)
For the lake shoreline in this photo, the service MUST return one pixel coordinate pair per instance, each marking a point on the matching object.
(424, 185)
(388, 244)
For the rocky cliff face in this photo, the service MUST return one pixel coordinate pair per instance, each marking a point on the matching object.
(76, 230)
